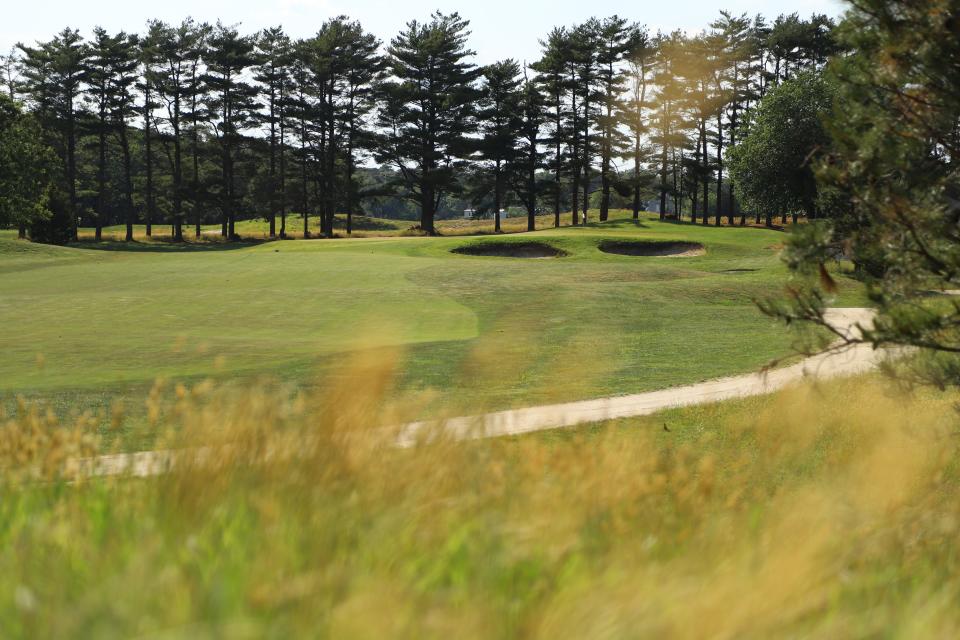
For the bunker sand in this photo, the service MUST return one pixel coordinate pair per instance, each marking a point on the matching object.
(533, 250)
(642, 249)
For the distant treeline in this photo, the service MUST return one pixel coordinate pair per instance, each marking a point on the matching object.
(194, 123)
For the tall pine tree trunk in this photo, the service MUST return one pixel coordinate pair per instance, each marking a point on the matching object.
(177, 189)
(532, 188)
(283, 181)
(663, 181)
(72, 170)
(177, 175)
(127, 180)
(695, 183)
(332, 185)
(586, 180)
(606, 151)
(574, 161)
(195, 153)
(586, 154)
(427, 211)
(636, 179)
(575, 197)
(664, 157)
(273, 164)
(720, 173)
(706, 172)
(350, 144)
(195, 185)
(557, 185)
(497, 197)
(605, 189)
(303, 177)
(101, 168)
(348, 203)
(147, 143)
(558, 167)
(232, 215)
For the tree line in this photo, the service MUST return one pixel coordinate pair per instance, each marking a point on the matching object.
(885, 166)
(194, 123)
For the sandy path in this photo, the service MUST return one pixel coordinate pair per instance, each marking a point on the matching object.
(843, 362)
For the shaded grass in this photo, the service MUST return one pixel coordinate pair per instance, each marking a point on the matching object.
(363, 227)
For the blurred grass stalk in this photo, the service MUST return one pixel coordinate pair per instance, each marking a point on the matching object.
(822, 511)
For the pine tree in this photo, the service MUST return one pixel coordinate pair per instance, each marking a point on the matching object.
(666, 128)
(110, 72)
(231, 103)
(53, 77)
(118, 61)
(427, 113)
(641, 60)
(532, 115)
(171, 80)
(345, 68)
(97, 77)
(615, 39)
(273, 62)
(149, 62)
(197, 115)
(302, 111)
(733, 79)
(584, 43)
(889, 184)
(326, 68)
(364, 70)
(10, 69)
(500, 119)
(553, 83)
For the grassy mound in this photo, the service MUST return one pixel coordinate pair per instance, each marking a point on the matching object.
(652, 249)
(511, 250)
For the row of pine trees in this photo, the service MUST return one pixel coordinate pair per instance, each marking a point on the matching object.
(186, 124)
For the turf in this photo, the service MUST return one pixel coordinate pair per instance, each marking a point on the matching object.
(86, 326)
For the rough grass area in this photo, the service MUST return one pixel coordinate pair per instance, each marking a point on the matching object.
(254, 230)
(822, 512)
(363, 227)
(510, 250)
(652, 249)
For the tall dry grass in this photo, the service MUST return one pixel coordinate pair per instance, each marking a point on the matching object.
(826, 511)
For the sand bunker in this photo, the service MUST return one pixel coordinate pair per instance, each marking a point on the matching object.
(653, 249)
(511, 250)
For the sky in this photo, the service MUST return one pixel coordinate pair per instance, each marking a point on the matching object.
(501, 28)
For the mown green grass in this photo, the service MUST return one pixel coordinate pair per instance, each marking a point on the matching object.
(88, 326)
